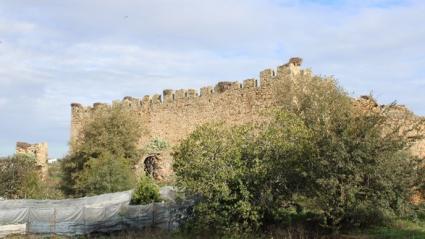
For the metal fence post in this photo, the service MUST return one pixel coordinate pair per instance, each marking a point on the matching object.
(153, 214)
(28, 224)
(84, 220)
(54, 221)
(169, 215)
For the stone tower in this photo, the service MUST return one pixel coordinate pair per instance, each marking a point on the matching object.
(40, 153)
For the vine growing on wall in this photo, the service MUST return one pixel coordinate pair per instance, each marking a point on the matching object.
(157, 145)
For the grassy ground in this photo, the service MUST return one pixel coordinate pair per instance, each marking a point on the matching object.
(146, 234)
(399, 229)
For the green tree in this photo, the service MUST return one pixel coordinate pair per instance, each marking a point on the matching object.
(102, 160)
(358, 162)
(209, 165)
(104, 174)
(318, 157)
(19, 178)
(228, 169)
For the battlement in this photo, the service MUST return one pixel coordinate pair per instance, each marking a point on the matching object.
(168, 96)
(175, 113)
(267, 76)
(191, 101)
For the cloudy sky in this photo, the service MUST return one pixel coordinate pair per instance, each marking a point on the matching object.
(54, 52)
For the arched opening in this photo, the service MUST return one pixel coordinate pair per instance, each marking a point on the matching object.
(151, 166)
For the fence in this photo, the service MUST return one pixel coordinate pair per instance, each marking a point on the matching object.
(104, 213)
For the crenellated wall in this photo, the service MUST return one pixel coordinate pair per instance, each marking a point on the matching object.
(174, 114)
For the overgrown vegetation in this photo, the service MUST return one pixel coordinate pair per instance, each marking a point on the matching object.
(320, 162)
(147, 191)
(51, 186)
(156, 145)
(319, 165)
(19, 178)
(397, 229)
(103, 159)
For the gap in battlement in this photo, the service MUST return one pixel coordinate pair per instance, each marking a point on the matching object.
(266, 77)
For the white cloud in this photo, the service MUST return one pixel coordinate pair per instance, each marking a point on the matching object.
(8, 27)
(3, 102)
(57, 52)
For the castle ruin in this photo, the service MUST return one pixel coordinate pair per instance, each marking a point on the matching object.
(175, 114)
(39, 152)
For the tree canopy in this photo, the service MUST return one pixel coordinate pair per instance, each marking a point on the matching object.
(318, 158)
(102, 160)
(19, 177)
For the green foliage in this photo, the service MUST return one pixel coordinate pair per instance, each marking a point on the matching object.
(19, 178)
(101, 162)
(114, 129)
(358, 166)
(230, 171)
(51, 187)
(106, 173)
(156, 145)
(421, 181)
(398, 229)
(147, 191)
(319, 158)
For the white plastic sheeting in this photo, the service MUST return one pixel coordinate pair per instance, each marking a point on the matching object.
(103, 213)
(12, 229)
(104, 199)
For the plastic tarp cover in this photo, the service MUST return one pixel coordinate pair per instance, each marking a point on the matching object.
(12, 229)
(103, 213)
(100, 200)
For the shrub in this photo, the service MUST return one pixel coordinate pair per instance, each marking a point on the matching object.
(319, 158)
(357, 159)
(156, 145)
(230, 171)
(102, 159)
(147, 191)
(104, 174)
(19, 178)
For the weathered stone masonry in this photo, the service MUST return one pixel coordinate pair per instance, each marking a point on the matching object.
(175, 114)
(39, 152)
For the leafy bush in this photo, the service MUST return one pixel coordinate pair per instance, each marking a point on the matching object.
(146, 191)
(106, 173)
(51, 185)
(19, 178)
(318, 158)
(358, 159)
(101, 162)
(156, 145)
(230, 170)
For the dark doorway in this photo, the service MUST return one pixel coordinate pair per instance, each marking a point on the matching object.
(151, 166)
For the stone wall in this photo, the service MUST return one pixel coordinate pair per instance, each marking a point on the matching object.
(401, 119)
(40, 153)
(410, 125)
(175, 114)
